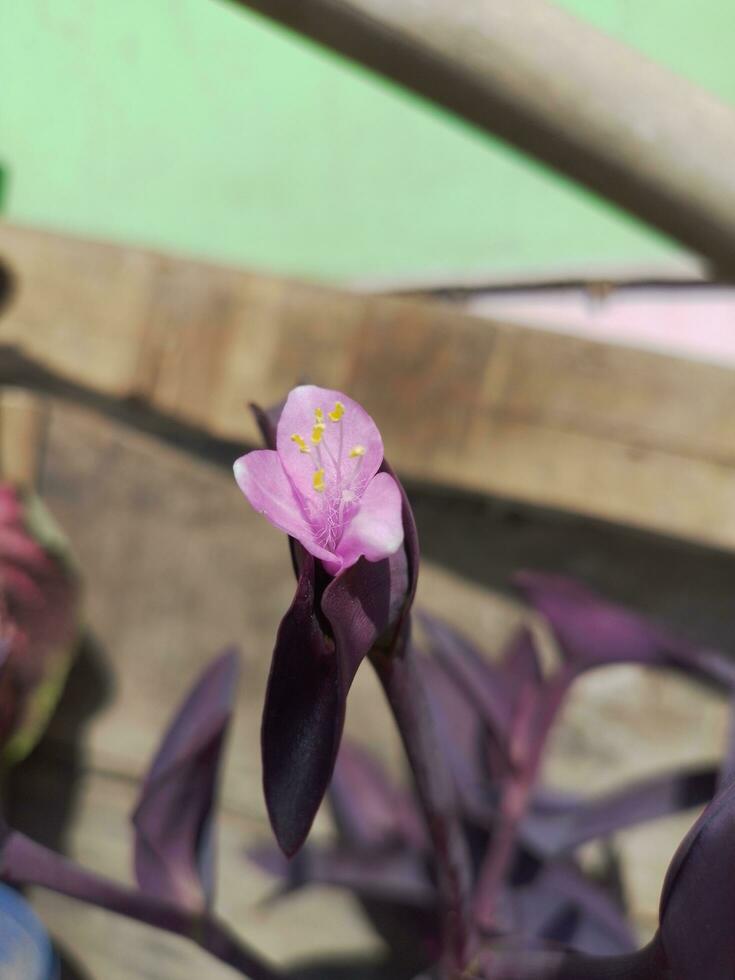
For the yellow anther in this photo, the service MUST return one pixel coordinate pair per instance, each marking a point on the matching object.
(337, 412)
(318, 414)
(357, 451)
(319, 480)
(299, 440)
(316, 433)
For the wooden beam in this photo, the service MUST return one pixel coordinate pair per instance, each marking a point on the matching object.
(556, 88)
(626, 435)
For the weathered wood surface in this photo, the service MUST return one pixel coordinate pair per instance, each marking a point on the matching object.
(23, 424)
(630, 436)
(556, 87)
(177, 565)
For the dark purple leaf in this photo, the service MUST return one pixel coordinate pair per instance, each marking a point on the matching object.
(519, 964)
(698, 897)
(369, 810)
(393, 876)
(267, 421)
(24, 862)
(483, 683)
(364, 606)
(410, 543)
(568, 827)
(173, 820)
(521, 660)
(314, 664)
(593, 632)
(461, 736)
(302, 718)
(368, 604)
(560, 904)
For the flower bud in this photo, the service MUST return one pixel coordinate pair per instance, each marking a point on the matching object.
(353, 539)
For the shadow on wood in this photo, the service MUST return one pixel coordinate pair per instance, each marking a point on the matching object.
(352, 969)
(41, 792)
(486, 539)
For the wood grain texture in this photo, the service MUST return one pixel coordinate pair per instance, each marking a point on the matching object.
(590, 427)
(23, 425)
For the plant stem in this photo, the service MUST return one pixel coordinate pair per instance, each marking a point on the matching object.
(531, 727)
(24, 862)
(403, 684)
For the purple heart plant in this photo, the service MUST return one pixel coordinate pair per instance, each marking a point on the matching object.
(473, 869)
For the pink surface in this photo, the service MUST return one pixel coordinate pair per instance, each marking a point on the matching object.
(694, 321)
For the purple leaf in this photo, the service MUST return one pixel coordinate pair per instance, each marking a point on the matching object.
(394, 876)
(568, 827)
(363, 606)
(302, 718)
(461, 735)
(173, 820)
(369, 810)
(510, 964)
(560, 904)
(698, 897)
(267, 421)
(593, 632)
(24, 862)
(484, 684)
(410, 540)
(521, 660)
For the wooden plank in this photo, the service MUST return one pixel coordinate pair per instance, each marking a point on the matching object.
(633, 436)
(557, 88)
(23, 425)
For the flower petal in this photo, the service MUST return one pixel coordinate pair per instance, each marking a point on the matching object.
(376, 529)
(263, 480)
(355, 428)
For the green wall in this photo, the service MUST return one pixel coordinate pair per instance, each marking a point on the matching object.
(192, 126)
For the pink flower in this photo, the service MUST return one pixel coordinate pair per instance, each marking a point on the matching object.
(321, 485)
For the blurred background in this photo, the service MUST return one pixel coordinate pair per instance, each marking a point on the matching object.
(201, 208)
(203, 129)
